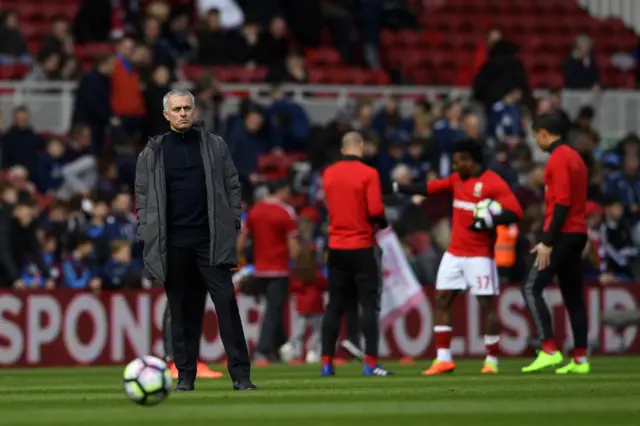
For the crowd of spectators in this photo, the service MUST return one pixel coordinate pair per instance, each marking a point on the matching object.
(66, 200)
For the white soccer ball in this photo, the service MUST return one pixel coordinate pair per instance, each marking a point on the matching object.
(147, 380)
(487, 207)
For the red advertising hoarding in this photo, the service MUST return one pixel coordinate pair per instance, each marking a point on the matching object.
(65, 327)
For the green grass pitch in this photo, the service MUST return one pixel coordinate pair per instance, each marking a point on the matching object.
(297, 396)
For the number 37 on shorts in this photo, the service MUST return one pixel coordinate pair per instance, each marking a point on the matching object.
(477, 274)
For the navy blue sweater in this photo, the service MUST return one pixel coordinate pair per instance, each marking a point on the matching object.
(186, 186)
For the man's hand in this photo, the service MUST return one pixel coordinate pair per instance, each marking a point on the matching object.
(418, 199)
(482, 224)
(395, 187)
(95, 284)
(19, 284)
(607, 278)
(543, 256)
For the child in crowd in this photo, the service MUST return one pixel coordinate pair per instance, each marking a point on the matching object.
(309, 285)
(51, 164)
(121, 271)
(32, 276)
(77, 269)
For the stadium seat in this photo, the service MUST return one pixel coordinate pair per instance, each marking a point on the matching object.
(323, 56)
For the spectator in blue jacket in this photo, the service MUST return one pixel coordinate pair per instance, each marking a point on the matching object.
(51, 163)
(121, 271)
(97, 227)
(625, 184)
(289, 123)
(446, 132)
(505, 119)
(246, 143)
(121, 222)
(77, 269)
(31, 274)
(388, 122)
(416, 159)
(20, 144)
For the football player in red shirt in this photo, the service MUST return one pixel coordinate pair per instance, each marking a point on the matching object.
(272, 224)
(468, 262)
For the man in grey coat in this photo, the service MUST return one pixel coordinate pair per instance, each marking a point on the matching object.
(188, 203)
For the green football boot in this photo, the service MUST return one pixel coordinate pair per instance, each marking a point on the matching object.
(575, 368)
(544, 360)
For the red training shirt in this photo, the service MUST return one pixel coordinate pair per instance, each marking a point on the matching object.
(466, 194)
(566, 180)
(271, 223)
(353, 198)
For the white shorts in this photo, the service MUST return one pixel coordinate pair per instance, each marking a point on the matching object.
(478, 274)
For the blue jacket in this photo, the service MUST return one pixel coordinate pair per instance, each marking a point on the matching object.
(293, 135)
(113, 272)
(245, 148)
(628, 189)
(77, 273)
(50, 173)
(504, 120)
(444, 137)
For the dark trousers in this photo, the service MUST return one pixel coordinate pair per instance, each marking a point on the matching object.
(272, 334)
(353, 275)
(566, 264)
(189, 278)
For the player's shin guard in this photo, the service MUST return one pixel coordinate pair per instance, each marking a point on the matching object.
(492, 345)
(443, 342)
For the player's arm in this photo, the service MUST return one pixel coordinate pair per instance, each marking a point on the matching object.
(375, 207)
(511, 209)
(434, 187)
(561, 181)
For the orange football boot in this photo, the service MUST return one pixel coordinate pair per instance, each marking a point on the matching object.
(204, 372)
(439, 367)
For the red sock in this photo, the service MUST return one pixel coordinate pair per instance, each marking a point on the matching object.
(327, 360)
(492, 345)
(580, 355)
(443, 337)
(371, 361)
(549, 346)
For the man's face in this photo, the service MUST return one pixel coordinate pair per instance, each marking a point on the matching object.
(631, 164)
(55, 148)
(254, 122)
(125, 48)
(416, 150)
(462, 163)
(100, 210)
(24, 214)
(537, 176)
(60, 28)
(21, 119)
(404, 178)
(454, 112)
(542, 139)
(213, 21)
(179, 112)
(122, 202)
(151, 29)
(614, 212)
(52, 63)
(471, 126)
(370, 149)
(278, 27)
(365, 115)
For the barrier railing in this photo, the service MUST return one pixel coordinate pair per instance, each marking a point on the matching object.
(66, 327)
(52, 103)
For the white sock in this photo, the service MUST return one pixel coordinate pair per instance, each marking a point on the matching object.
(580, 360)
(444, 354)
(491, 340)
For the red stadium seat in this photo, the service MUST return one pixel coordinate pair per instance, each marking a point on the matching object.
(323, 56)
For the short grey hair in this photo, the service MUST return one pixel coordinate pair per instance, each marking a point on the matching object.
(177, 92)
(399, 171)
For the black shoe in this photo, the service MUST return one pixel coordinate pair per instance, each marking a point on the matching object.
(244, 385)
(184, 386)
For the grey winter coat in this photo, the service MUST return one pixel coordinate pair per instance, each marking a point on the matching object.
(223, 203)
